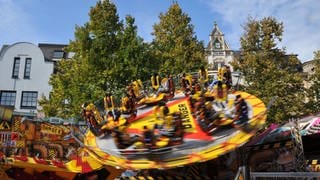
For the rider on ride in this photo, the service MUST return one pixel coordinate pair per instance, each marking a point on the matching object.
(186, 83)
(137, 86)
(221, 71)
(128, 106)
(109, 103)
(241, 111)
(220, 93)
(203, 77)
(227, 77)
(160, 111)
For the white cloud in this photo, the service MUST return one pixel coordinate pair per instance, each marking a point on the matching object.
(301, 20)
(15, 24)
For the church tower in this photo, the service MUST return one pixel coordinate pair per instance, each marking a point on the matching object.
(218, 52)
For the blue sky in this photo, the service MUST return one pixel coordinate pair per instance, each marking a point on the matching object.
(53, 21)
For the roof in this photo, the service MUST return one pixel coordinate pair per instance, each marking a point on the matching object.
(309, 62)
(6, 47)
(217, 35)
(51, 45)
(49, 49)
(216, 31)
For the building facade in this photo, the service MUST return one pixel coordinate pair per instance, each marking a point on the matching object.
(309, 67)
(25, 70)
(308, 70)
(218, 52)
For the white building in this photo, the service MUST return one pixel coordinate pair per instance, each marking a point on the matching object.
(24, 75)
(218, 51)
(309, 68)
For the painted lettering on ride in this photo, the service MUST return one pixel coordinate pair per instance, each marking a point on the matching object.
(186, 121)
(49, 129)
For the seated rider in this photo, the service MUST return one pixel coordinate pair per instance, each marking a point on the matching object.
(164, 86)
(196, 86)
(227, 77)
(210, 113)
(178, 129)
(130, 91)
(203, 77)
(161, 110)
(109, 103)
(206, 116)
(221, 71)
(89, 117)
(121, 138)
(171, 85)
(148, 137)
(137, 86)
(197, 104)
(241, 110)
(221, 94)
(168, 120)
(110, 123)
(92, 116)
(128, 106)
(167, 86)
(186, 83)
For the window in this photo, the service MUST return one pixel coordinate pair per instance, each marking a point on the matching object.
(16, 67)
(7, 98)
(70, 55)
(27, 68)
(29, 99)
(217, 45)
(58, 54)
(218, 53)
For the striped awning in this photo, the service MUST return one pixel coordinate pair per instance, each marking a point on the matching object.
(274, 145)
(165, 178)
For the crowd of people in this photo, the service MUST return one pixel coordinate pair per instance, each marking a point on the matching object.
(207, 103)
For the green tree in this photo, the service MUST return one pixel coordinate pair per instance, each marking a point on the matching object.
(268, 71)
(314, 85)
(134, 56)
(108, 52)
(175, 43)
(69, 89)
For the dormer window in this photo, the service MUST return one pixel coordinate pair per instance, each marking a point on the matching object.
(58, 54)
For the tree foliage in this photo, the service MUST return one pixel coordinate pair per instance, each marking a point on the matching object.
(270, 73)
(314, 85)
(108, 53)
(134, 55)
(176, 46)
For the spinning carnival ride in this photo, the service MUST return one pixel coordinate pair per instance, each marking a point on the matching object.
(146, 141)
(196, 144)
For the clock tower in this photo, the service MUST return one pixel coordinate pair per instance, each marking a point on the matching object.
(218, 52)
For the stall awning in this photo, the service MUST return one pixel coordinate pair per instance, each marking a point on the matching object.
(274, 145)
(164, 178)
